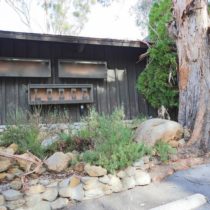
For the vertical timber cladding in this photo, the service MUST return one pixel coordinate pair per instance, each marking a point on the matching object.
(113, 88)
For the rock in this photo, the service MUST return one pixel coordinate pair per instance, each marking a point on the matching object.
(74, 181)
(92, 184)
(3, 176)
(94, 193)
(72, 156)
(16, 185)
(59, 203)
(4, 165)
(50, 194)
(128, 182)
(107, 189)
(35, 189)
(23, 163)
(139, 163)
(3, 208)
(53, 184)
(121, 174)
(130, 171)
(33, 200)
(65, 182)
(14, 147)
(57, 162)
(181, 143)
(95, 171)
(49, 141)
(76, 193)
(15, 171)
(2, 200)
(142, 178)
(115, 183)
(11, 195)
(87, 180)
(15, 204)
(159, 172)
(79, 167)
(105, 179)
(146, 159)
(153, 130)
(42, 205)
(44, 182)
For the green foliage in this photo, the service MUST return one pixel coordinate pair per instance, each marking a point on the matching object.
(26, 137)
(158, 81)
(164, 150)
(113, 145)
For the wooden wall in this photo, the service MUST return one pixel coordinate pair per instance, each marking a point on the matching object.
(118, 89)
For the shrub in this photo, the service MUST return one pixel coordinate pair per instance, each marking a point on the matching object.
(112, 142)
(164, 150)
(158, 82)
(25, 136)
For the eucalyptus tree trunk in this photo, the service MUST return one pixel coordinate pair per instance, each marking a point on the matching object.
(190, 29)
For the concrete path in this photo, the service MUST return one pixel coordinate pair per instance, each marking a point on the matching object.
(177, 186)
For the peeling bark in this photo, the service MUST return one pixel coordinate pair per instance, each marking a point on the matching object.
(192, 22)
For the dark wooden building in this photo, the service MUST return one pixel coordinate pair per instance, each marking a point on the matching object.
(71, 73)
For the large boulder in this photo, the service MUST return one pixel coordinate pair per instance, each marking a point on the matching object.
(153, 130)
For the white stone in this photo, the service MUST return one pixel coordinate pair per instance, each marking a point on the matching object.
(35, 189)
(3, 208)
(15, 204)
(130, 171)
(105, 179)
(11, 195)
(50, 194)
(76, 193)
(94, 193)
(57, 162)
(59, 203)
(121, 174)
(95, 171)
(33, 200)
(128, 182)
(153, 130)
(138, 163)
(2, 200)
(49, 141)
(115, 183)
(43, 205)
(142, 178)
(65, 182)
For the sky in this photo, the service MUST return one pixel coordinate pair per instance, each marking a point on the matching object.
(115, 21)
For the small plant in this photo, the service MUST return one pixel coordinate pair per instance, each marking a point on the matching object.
(164, 150)
(113, 147)
(25, 136)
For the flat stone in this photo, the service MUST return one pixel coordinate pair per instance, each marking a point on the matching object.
(76, 193)
(35, 189)
(49, 141)
(116, 184)
(64, 183)
(95, 171)
(104, 179)
(59, 203)
(15, 204)
(128, 182)
(138, 163)
(121, 174)
(43, 205)
(44, 182)
(16, 185)
(142, 178)
(4, 165)
(50, 194)
(130, 171)
(3, 208)
(79, 167)
(23, 163)
(94, 193)
(2, 200)
(74, 181)
(86, 179)
(92, 184)
(11, 195)
(33, 200)
(57, 162)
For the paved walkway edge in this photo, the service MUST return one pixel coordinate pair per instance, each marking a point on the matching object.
(188, 203)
